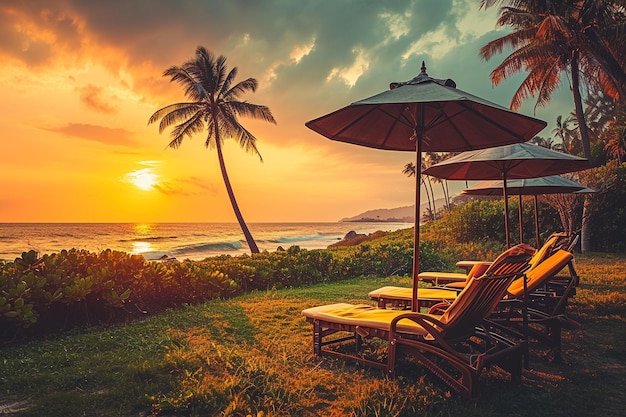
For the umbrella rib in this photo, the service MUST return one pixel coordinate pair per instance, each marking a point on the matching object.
(464, 104)
(396, 120)
(355, 121)
(443, 117)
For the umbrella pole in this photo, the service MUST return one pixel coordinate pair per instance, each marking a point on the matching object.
(506, 210)
(537, 221)
(416, 235)
(521, 223)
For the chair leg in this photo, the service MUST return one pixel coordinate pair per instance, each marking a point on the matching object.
(317, 338)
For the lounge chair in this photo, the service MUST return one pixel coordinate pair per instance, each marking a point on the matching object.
(533, 306)
(453, 345)
(400, 297)
(476, 268)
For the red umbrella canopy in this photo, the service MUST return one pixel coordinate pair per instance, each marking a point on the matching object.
(446, 118)
(425, 114)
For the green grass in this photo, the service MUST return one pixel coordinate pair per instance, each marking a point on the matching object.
(254, 354)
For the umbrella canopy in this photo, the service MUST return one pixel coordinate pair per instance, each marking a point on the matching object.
(516, 161)
(553, 184)
(425, 114)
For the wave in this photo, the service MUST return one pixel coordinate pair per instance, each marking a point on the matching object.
(305, 238)
(153, 239)
(208, 247)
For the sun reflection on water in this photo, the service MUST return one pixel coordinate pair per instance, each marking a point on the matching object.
(142, 247)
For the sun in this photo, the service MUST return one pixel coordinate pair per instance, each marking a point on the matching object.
(144, 179)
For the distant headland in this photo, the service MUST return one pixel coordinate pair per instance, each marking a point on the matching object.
(395, 215)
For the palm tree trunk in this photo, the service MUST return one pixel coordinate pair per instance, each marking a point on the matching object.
(430, 207)
(432, 193)
(585, 240)
(578, 103)
(244, 228)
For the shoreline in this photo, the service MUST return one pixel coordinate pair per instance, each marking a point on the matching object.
(194, 241)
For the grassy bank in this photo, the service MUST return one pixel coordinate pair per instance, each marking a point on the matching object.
(253, 354)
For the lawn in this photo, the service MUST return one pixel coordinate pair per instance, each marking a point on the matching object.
(253, 356)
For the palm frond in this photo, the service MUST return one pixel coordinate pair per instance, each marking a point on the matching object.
(187, 128)
(254, 111)
(173, 113)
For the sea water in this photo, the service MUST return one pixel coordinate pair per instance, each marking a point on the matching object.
(193, 241)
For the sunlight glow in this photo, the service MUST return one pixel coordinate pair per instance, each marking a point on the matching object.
(144, 179)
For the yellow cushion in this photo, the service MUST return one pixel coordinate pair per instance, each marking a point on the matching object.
(540, 273)
(365, 316)
(403, 293)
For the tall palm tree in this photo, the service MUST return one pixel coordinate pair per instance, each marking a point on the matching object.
(552, 37)
(213, 106)
(600, 26)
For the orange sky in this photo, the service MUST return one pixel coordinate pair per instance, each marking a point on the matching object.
(80, 79)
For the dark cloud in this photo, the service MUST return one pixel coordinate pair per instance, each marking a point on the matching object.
(34, 32)
(259, 38)
(94, 133)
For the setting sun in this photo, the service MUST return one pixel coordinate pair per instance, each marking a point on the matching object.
(144, 179)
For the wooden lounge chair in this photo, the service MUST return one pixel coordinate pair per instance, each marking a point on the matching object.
(532, 307)
(476, 268)
(400, 297)
(454, 345)
(535, 306)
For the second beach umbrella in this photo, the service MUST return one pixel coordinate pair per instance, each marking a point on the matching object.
(515, 161)
(425, 114)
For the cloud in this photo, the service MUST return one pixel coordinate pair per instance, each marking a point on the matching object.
(94, 133)
(186, 187)
(93, 97)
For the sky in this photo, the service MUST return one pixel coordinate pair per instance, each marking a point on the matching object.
(79, 80)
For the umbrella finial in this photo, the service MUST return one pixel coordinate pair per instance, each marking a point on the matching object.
(422, 77)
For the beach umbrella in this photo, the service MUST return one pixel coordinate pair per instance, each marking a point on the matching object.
(515, 161)
(425, 114)
(553, 184)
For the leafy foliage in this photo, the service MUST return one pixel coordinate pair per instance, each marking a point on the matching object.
(77, 287)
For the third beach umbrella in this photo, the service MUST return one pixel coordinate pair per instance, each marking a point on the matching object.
(553, 184)
(515, 161)
(425, 114)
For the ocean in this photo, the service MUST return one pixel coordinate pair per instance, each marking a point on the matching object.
(193, 241)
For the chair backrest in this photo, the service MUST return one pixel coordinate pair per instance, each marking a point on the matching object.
(482, 294)
(540, 274)
(505, 264)
(550, 246)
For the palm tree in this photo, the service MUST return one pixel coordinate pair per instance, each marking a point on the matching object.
(599, 25)
(213, 106)
(566, 134)
(550, 38)
(616, 144)
(409, 171)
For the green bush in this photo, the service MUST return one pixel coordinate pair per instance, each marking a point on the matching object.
(77, 287)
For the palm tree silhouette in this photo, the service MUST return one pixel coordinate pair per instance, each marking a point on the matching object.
(214, 105)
